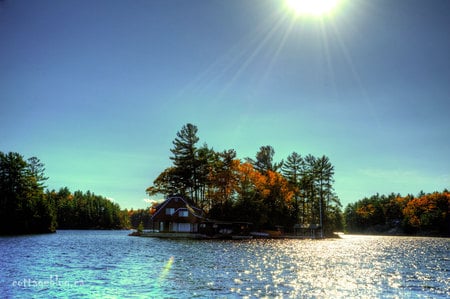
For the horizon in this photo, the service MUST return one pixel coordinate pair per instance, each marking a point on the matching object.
(98, 90)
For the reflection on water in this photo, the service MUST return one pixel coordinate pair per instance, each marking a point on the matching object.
(110, 264)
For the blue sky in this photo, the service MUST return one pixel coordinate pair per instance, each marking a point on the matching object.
(98, 89)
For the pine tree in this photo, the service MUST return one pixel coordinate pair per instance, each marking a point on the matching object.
(264, 160)
(292, 170)
(185, 161)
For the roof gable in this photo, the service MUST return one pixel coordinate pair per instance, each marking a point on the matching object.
(177, 202)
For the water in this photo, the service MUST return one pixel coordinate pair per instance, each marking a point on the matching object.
(109, 264)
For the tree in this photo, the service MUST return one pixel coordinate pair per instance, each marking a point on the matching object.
(167, 183)
(311, 181)
(24, 208)
(185, 161)
(222, 183)
(324, 172)
(36, 169)
(264, 160)
(250, 192)
(308, 187)
(292, 170)
(205, 162)
(278, 199)
(86, 210)
(429, 212)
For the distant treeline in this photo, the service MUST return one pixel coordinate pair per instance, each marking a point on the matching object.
(259, 190)
(86, 210)
(26, 208)
(426, 214)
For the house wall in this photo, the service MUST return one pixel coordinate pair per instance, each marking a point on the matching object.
(177, 227)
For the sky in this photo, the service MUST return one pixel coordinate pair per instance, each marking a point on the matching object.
(97, 90)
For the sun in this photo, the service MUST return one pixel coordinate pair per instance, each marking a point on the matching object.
(312, 7)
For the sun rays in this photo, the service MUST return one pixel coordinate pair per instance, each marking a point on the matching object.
(312, 7)
(267, 42)
(296, 33)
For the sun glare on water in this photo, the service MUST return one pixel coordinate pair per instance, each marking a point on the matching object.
(312, 7)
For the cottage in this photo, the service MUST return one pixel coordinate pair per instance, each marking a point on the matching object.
(175, 214)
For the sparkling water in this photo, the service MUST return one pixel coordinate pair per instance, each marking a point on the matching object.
(109, 264)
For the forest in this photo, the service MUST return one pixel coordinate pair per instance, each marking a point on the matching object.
(424, 214)
(258, 190)
(80, 210)
(26, 208)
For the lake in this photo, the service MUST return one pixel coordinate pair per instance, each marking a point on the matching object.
(109, 264)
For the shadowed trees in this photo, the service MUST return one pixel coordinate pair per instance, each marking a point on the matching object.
(312, 181)
(86, 210)
(422, 214)
(24, 207)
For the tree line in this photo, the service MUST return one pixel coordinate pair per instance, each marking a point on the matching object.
(86, 210)
(25, 207)
(298, 190)
(258, 190)
(427, 214)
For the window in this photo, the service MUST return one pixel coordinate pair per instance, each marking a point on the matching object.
(183, 213)
(170, 211)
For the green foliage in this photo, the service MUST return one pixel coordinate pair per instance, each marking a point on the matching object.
(87, 211)
(140, 227)
(24, 207)
(186, 162)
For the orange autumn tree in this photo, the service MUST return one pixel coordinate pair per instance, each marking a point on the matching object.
(263, 199)
(249, 181)
(366, 211)
(429, 212)
(249, 192)
(278, 198)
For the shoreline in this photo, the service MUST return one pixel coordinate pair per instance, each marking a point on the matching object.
(198, 236)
